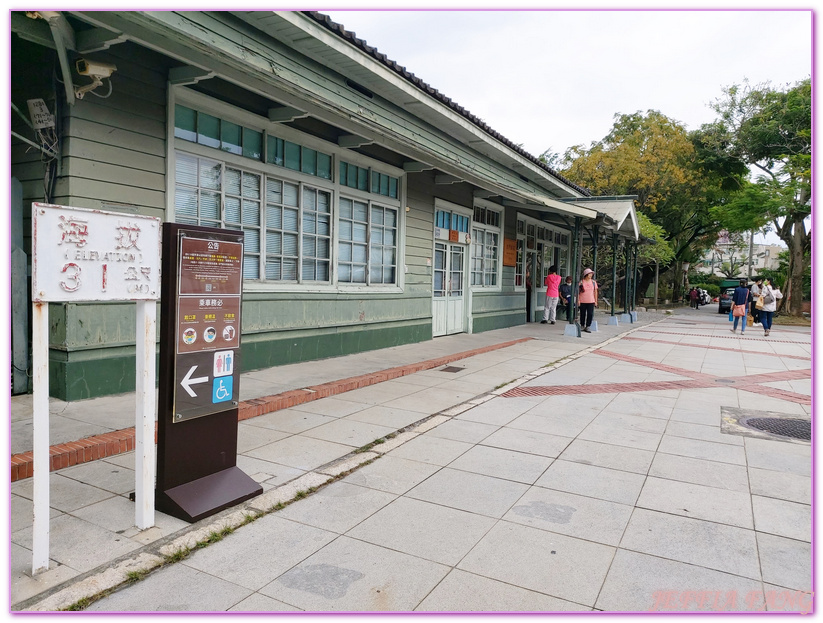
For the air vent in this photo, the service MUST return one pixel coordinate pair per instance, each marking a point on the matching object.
(360, 89)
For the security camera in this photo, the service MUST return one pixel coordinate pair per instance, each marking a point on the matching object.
(94, 69)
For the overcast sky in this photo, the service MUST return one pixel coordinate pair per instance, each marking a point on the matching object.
(550, 79)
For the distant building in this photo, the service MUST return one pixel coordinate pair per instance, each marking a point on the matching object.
(764, 256)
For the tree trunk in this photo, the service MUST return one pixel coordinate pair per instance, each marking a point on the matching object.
(796, 245)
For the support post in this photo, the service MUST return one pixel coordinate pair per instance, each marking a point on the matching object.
(626, 317)
(573, 327)
(656, 282)
(633, 310)
(42, 460)
(612, 317)
(144, 454)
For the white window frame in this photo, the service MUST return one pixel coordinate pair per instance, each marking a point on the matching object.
(480, 203)
(528, 220)
(198, 101)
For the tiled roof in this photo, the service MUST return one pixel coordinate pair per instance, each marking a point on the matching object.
(349, 36)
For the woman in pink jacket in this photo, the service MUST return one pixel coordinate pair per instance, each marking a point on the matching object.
(587, 298)
(552, 294)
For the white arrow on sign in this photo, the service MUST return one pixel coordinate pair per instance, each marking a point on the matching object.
(187, 381)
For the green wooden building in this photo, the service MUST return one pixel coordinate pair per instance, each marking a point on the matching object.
(376, 210)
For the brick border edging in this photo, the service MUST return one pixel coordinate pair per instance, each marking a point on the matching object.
(116, 442)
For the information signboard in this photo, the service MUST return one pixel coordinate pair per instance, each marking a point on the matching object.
(207, 344)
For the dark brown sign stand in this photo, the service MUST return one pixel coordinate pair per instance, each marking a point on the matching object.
(201, 290)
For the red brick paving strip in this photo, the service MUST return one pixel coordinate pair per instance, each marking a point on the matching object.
(731, 350)
(115, 442)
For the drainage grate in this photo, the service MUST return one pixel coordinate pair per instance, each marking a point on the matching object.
(785, 427)
(451, 369)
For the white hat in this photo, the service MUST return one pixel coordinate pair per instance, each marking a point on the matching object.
(586, 271)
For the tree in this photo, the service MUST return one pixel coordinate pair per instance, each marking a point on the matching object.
(770, 130)
(675, 178)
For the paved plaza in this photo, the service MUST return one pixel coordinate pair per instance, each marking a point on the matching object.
(611, 472)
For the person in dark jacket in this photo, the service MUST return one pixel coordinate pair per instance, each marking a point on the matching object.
(565, 290)
(740, 306)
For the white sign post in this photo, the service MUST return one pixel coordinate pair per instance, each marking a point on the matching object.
(91, 255)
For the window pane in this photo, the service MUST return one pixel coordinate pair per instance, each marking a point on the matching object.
(186, 170)
(208, 130)
(210, 205)
(251, 267)
(290, 219)
(252, 143)
(185, 123)
(290, 194)
(251, 212)
(346, 208)
(344, 251)
(362, 179)
(291, 155)
(210, 174)
(359, 253)
(309, 199)
(273, 269)
(345, 230)
(389, 237)
(344, 273)
(388, 275)
(309, 270)
(358, 274)
(251, 241)
(274, 242)
(232, 210)
(185, 203)
(232, 178)
(376, 216)
(324, 225)
(274, 217)
(393, 187)
(309, 164)
(322, 271)
(251, 186)
(323, 202)
(290, 270)
(290, 246)
(359, 233)
(323, 166)
(274, 190)
(360, 212)
(231, 138)
(391, 218)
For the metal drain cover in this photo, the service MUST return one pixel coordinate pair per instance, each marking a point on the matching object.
(785, 427)
(451, 369)
(765, 425)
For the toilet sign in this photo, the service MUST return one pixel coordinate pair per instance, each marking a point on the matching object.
(207, 345)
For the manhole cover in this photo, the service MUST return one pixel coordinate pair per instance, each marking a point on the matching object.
(785, 427)
(451, 369)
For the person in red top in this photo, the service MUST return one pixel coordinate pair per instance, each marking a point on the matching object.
(552, 295)
(587, 299)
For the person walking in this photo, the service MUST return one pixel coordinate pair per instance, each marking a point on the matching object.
(552, 284)
(565, 291)
(588, 299)
(740, 304)
(755, 292)
(693, 294)
(770, 296)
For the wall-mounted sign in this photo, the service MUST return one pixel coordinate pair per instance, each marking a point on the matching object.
(90, 255)
(509, 252)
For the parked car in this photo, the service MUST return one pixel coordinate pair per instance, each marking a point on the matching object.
(725, 303)
(703, 298)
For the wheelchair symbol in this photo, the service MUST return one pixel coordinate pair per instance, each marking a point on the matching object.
(222, 389)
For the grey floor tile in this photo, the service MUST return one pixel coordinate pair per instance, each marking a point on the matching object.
(782, 518)
(351, 575)
(474, 493)
(778, 456)
(700, 471)
(643, 404)
(22, 585)
(331, 407)
(498, 411)
(432, 450)
(697, 501)
(785, 562)
(702, 432)
(102, 475)
(432, 400)
(392, 474)
(641, 583)
(500, 463)
(381, 393)
(117, 515)
(709, 416)
(176, 588)
(618, 436)
(707, 450)
(260, 603)
(592, 481)
(466, 592)
(79, 544)
(266, 471)
(782, 599)
(573, 515)
(462, 430)
(533, 559)
(21, 513)
(300, 452)
(430, 531)
(65, 494)
(630, 422)
(385, 416)
(527, 441)
(291, 420)
(607, 455)
(560, 425)
(255, 554)
(252, 437)
(781, 485)
(703, 543)
(349, 432)
(337, 507)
